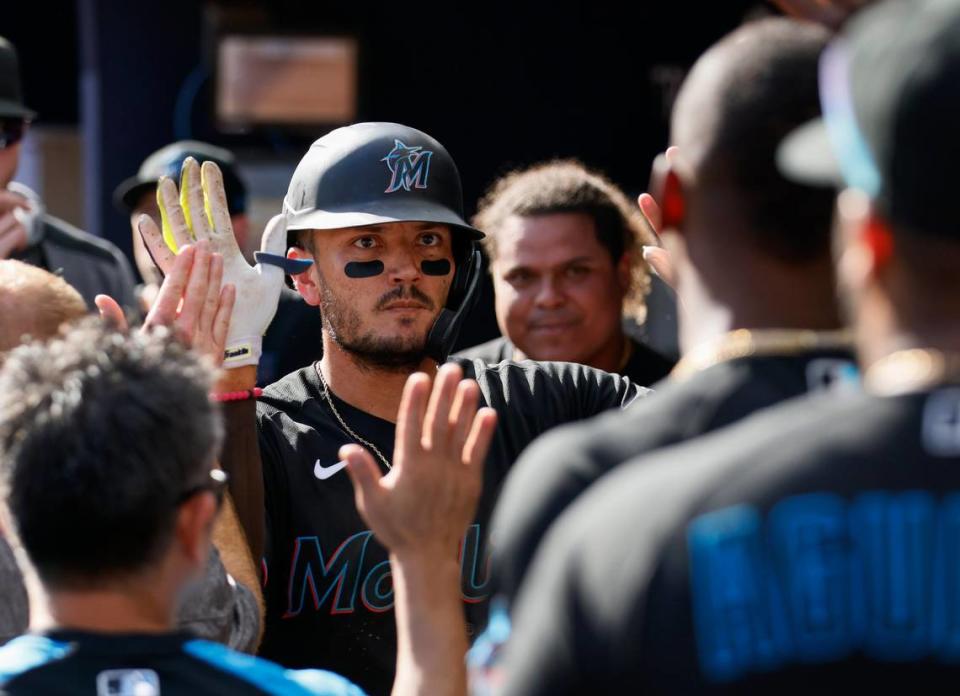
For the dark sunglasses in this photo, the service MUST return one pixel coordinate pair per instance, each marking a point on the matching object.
(217, 484)
(11, 131)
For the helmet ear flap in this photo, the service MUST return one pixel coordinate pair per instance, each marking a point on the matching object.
(467, 272)
(461, 299)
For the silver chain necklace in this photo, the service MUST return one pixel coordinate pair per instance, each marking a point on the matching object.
(346, 428)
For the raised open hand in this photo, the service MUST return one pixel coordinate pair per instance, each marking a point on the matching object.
(199, 213)
(424, 504)
(192, 301)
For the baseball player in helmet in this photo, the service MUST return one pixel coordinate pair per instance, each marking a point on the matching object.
(345, 448)
(377, 176)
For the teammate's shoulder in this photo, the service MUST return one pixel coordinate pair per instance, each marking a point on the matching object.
(485, 371)
(589, 448)
(534, 370)
(493, 351)
(827, 426)
(697, 464)
(292, 388)
(28, 652)
(789, 431)
(819, 418)
(270, 676)
(651, 494)
(656, 494)
(731, 380)
(664, 418)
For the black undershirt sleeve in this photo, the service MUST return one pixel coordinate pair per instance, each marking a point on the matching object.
(587, 392)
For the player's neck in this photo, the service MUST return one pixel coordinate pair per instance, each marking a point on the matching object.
(702, 324)
(110, 611)
(376, 391)
(799, 305)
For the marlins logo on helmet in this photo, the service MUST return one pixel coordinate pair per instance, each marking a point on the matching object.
(409, 167)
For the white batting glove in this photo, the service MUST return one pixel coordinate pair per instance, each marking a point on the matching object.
(200, 212)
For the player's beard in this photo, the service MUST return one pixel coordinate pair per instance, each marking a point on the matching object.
(343, 323)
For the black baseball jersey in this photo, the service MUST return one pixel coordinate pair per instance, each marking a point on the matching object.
(645, 366)
(559, 467)
(74, 663)
(328, 587)
(814, 548)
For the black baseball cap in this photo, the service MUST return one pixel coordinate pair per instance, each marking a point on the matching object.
(11, 97)
(168, 160)
(890, 94)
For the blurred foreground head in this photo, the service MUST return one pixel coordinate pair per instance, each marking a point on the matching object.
(34, 303)
(117, 434)
(889, 138)
(751, 247)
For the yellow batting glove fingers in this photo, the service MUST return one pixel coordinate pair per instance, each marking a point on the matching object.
(209, 178)
(215, 199)
(185, 172)
(165, 217)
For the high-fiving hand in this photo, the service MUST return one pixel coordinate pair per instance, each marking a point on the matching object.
(199, 213)
(656, 256)
(424, 504)
(192, 301)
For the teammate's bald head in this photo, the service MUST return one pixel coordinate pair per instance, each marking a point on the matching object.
(738, 102)
(34, 302)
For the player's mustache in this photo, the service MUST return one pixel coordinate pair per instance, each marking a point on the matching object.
(405, 293)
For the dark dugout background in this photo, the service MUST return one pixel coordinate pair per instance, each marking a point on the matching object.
(501, 84)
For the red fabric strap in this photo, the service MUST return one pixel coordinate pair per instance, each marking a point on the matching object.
(242, 395)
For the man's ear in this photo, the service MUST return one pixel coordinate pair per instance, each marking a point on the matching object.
(879, 240)
(306, 282)
(864, 241)
(667, 189)
(194, 527)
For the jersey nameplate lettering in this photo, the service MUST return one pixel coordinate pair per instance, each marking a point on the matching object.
(821, 577)
(334, 581)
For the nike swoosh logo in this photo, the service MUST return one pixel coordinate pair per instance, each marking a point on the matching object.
(325, 472)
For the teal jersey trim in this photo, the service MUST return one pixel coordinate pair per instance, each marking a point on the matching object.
(271, 677)
(27, 652)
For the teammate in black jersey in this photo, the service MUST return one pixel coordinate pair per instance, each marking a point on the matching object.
(812, 548)
(754, 275)
(378, 242)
